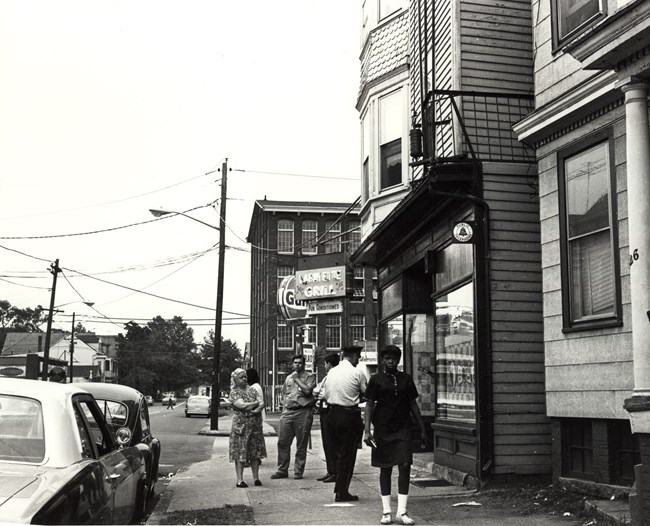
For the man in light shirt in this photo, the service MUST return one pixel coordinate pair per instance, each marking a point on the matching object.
(344, 390)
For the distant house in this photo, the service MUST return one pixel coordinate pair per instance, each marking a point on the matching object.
(88, 363)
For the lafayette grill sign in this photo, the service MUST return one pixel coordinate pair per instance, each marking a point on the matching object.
(321, 284)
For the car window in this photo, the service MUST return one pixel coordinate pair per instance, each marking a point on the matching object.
(21, 429)
(116, 414)
(97, 432)
(144, 419)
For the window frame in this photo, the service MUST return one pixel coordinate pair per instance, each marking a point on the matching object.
(386, 151)
(599, 321)
(283, 326)
(357, 324)
(558, 39)
(329, 327)
(291, 247)
(307, 241)
(332, 242)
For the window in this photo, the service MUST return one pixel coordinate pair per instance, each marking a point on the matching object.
(357, 328)
(333, 237)
(388, 7)
(589, 262)
(285, 335)
(570, 17)
(283, 272)
(359, 291)
(333, 331)
(365, 155)
(390, 139)
(285, 236)
(354, 235)
(578, 447)
(309, 235)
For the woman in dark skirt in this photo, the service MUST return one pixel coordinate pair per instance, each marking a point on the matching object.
(392, 399)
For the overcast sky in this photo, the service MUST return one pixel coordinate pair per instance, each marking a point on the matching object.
(108, 109)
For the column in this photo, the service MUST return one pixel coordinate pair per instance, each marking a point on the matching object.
(638, 196)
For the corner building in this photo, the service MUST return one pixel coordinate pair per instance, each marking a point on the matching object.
(286, 236)
(450, 218)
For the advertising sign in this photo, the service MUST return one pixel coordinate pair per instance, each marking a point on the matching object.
(324, 307)
(290, 308)
(321, 284)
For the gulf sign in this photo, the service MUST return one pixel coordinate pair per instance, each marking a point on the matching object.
(290, 308)
(319, 284)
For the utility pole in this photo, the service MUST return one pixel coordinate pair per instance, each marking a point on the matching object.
(54, 269)
(72, 350)
(216, 364)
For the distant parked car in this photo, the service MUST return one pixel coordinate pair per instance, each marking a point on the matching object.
(198, 405)
(224, 403)
(60, 462)
(166, 397)
(149, 399)
(127, 407)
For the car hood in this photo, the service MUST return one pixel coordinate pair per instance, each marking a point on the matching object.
(24, 489)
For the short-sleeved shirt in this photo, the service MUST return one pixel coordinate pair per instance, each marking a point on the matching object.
(294, 397)
(392, 395)
(345, 385)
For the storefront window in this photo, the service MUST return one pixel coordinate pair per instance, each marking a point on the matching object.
(454, 362)
(419, 338)
(392, 332)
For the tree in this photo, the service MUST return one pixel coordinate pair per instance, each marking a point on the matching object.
(158, 357)
(229, 359)
(14, 319)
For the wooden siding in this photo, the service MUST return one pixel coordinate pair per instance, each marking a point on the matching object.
(522, 440)
(574, 359)
(489, 32)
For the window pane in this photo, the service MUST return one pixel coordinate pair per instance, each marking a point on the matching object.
(333, 237)
(587, 188)
(285, 236)
(354, 235)
(285, 336)
(390, 117)
(391, 164)
(574, 13)
(454, 348)
(392, 332)
(333, 331)
(357, 328)
(419, 330)
(309, 235)
(21, 429)
(592, 276)
(283, 272)
(388, 7)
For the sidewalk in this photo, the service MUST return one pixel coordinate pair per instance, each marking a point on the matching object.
(211, 484)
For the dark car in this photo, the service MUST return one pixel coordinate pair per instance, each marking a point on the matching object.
(127, 407)
(60, 462)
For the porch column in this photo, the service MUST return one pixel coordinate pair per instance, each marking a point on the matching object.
(638, 199)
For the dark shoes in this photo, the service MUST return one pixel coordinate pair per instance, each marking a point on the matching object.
(258, 482)
(345, 497)
(330, 478)
(297, 476)
(279, 475)
(241, 484)
(321, 479)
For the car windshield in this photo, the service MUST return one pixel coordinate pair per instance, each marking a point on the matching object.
(22, 436)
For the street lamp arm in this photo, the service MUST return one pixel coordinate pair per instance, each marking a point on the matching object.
(160, 213)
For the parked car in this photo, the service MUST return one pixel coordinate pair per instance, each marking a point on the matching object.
(149, 399)
(198, 405)
(166, 397)
(127, 407)
(224, 403)
(60, 462)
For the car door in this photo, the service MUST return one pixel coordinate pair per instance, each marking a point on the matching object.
(118, 466)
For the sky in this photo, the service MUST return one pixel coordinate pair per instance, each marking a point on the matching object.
(111, 108)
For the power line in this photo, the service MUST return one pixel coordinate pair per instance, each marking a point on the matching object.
(297, 175)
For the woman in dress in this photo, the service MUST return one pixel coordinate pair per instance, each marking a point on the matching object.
(246, 435)
(391, 400)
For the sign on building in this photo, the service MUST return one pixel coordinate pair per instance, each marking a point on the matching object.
(320, 284)
(290, 307)
(324, 307)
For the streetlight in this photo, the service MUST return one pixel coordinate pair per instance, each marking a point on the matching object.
(218, 314)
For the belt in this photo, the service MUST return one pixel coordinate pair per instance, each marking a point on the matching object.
(349, 407)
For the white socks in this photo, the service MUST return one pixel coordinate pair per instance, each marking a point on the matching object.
(385, 501)
(401, 503)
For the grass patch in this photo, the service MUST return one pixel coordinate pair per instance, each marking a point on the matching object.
(237, 514)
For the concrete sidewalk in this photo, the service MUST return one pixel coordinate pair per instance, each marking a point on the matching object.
(211, 484)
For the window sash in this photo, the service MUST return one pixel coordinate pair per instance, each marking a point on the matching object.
(333, 331)
(333, 237)
(391, 164)
(309, 236)
(285, 236)
(573, 15)
(285, 336)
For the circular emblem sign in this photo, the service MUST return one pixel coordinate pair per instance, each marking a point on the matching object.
(289, 306)
(463, 232)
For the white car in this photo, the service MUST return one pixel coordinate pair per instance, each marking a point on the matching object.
(166, 397)
(198, 405)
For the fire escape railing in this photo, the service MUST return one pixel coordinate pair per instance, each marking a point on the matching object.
(473, 126)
